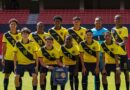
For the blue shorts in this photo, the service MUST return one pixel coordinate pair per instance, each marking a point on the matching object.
(110, 68)
(9, 67)
(20, 69)
(124, 62)
(90, 67)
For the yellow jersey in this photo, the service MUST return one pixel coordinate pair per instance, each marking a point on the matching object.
(26, 53)
(119, 34)
(89, 50)
(10, 40)
(78, 35)
(54, 52)
(110, 52)
(73, 52)
(39, 39)
(58, 36)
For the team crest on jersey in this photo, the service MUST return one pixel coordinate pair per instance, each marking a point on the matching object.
(81, 33)
(120, 32)
(52, 54)
(17, 37)
(61, 33)
(73, 52)
(93, 47)
(112, 49)
(29, 47)
(44, 37)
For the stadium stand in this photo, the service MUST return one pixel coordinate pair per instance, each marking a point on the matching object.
(21, 15)
(87, 15)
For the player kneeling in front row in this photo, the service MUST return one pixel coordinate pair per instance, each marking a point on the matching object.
(70, 55)
(110, 61)
(25, 59)
(89, 55)
(49, 59)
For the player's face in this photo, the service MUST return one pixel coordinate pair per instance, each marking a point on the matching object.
(98, 22)
(25, 35)
(57, 22)
(107, 36)
(68, 40)
(89, 35)
(76, 22)
(40, 27)
(49, 43)
(118, 20)
(13, 25)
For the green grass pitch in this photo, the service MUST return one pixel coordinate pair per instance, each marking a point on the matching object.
(28, 86)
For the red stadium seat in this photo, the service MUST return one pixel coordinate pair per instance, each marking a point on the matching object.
(87, 15)
(21, 15)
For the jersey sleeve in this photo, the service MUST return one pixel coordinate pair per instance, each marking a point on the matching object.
(4, 39)
(35, 48)
(39, 53)
(126, 32)
(98, 46)
(60, 53)
(30, 37)
(57, 55)
(76, 50)
(116, 49)
(80, 48)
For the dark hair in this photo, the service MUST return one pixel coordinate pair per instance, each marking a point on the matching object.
(26, 30)
(89, 31)
(57, 18)
(13, 20)
(69, 36)
(76, 18)
(49, 38)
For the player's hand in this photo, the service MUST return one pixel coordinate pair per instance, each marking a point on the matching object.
(60, 64)
(3, 62)
(104, 71)
(97, 70)
(50, 67)
(84, 71)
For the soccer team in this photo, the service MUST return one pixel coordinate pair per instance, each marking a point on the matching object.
(97, 50)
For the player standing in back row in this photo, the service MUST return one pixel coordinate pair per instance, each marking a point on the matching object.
(58, 32)
(120, 35)
(8, 42)
(98, 34)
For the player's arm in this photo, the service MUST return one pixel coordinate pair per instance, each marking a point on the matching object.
(103, 59)
(97, 62)
(116, 60)
(43, 63)
(37, 61)
(4, 47)
(15, 57)
(82, 63)
(97, 58)
(15, 60)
